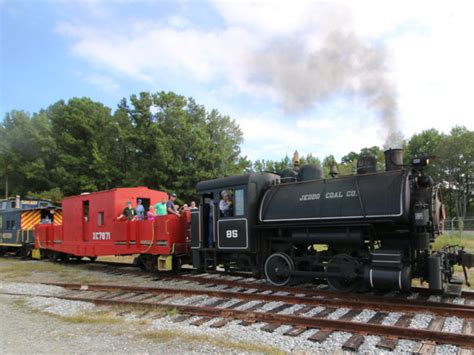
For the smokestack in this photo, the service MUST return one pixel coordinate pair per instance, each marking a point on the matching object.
(393, 159)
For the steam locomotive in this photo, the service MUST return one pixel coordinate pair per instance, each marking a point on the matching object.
(371, 230)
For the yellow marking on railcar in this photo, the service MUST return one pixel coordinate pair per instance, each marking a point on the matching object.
(29, 219)
(58, 218)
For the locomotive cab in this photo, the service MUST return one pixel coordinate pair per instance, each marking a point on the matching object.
(222, 230)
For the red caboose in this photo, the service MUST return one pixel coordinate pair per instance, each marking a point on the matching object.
(90, 228)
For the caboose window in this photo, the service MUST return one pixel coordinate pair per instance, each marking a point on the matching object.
(85, 210)
(100, 219)
(239, 202)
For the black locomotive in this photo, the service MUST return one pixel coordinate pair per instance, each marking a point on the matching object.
(371, 230)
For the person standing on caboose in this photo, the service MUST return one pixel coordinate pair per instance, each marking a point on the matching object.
(170, 205)
(129, 213)
(140, 210)
(160, 207)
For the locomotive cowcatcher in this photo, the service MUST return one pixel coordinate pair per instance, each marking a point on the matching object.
(370, 230)
(90, 229)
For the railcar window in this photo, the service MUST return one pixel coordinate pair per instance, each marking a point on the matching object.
(4, 205)
(239, 202)
(100, 219)
(85, 210)
(43, 204)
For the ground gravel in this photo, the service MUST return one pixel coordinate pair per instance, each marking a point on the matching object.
(453, 325)
(338, 313)
(24, 332)
(421, 321)
(364, 316)
(30, 288)
(50, 332)
(60, 307)
(391, 318)
(446, 349)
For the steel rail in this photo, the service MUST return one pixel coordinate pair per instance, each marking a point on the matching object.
(464, 340)
(313, 292)
(463, 311)
(421, 290)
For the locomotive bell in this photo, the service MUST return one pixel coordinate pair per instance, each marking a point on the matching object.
(333, 172)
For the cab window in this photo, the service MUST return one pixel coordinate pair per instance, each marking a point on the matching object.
(239, 202)
(231, 203)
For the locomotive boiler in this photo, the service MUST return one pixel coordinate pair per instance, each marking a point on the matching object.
(370, 230)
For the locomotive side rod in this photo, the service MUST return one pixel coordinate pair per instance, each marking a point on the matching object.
(464, 340)
(463, 311)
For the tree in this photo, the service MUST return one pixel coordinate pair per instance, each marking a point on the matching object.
(170, 142)
(426, 144)
(25, 145)
(85, 136)
(455, 156)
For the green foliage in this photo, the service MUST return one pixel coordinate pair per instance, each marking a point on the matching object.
(55, 195)
(170, 142)
(161, 140)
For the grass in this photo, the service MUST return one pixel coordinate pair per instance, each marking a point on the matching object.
(162, 336)
(22, 268)
(465, 240)
(140, 328)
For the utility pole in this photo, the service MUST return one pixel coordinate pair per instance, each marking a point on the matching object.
(6, 187)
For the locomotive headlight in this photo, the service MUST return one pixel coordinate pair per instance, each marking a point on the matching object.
(420, 162)
(419, 216)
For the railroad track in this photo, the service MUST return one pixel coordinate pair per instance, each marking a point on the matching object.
(219, 307)
(245, 283)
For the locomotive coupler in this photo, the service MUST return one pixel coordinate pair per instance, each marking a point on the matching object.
(456, 255)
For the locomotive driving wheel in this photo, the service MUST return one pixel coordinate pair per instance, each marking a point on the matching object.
(346, 266)
(277, 269)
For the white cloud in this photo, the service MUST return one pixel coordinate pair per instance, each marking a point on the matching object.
(103, 82)
(428, 41)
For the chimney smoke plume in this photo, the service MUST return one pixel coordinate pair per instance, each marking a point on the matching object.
(343, 64)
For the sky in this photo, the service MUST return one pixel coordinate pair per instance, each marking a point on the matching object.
(317, 76)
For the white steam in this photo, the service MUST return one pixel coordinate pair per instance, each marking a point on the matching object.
(342, 64)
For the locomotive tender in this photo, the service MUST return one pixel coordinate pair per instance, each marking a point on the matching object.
(371, 230)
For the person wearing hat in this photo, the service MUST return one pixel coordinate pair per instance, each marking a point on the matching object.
(225, 204)
(170, 205)
(128, 212)
(140, 210)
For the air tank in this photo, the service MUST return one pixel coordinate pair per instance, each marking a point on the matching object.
(310, 172)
